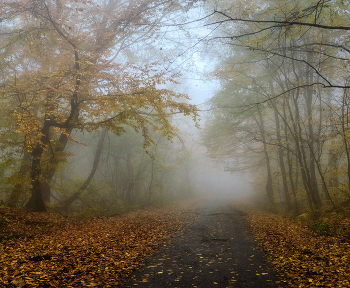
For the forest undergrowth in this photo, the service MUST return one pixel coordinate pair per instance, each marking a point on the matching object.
(302, 255)
(46, 250)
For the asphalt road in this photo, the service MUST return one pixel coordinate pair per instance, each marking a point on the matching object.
(217, 250)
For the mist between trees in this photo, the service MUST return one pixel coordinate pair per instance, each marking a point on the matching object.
(70, 66)
(283, 109)
(98, 73)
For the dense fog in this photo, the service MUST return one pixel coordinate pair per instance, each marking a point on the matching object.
(109, 105)
(174, 143)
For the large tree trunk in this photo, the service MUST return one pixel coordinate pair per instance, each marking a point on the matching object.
(54, 161)
(36, 202)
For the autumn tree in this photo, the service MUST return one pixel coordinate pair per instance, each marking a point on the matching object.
(64, 69)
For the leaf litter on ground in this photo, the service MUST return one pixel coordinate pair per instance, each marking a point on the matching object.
(46, 250)
(302, 257)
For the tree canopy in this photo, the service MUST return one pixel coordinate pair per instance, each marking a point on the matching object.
(65, 66)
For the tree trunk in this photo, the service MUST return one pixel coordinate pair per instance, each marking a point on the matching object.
(280, 150)
(269, 186)
(54, 161)
(333, 161)
(290, 164)
(36, 202)
(297, 140)
(95, 164)
(312, 168)
(345, 127)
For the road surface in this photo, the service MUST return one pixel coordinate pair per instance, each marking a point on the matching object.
(217, 250)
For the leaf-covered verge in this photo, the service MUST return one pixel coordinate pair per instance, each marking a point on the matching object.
(302, 257)
(45, 250)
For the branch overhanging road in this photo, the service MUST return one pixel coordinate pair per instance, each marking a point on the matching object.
(217, 250)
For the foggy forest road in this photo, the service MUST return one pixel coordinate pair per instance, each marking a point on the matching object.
(217, 250)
